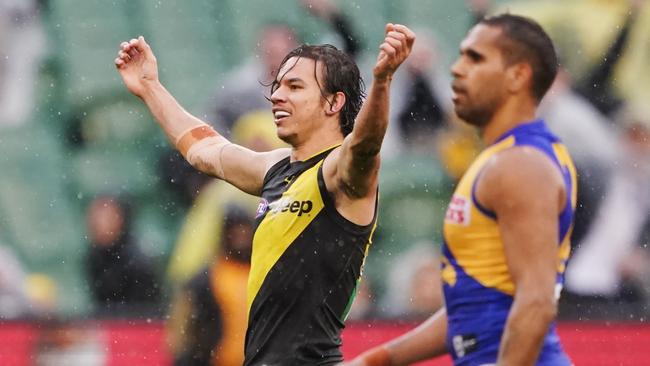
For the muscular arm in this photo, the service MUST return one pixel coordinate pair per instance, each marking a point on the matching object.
(205, 149)
(425, 341)
(354, 172)
(526, 191)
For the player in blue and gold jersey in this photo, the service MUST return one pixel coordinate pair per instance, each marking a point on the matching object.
(319, 197)
(507, 228)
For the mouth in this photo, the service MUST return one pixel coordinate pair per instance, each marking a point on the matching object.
(279, 115)
(457, 92)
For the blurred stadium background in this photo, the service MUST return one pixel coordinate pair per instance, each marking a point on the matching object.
(69, 132)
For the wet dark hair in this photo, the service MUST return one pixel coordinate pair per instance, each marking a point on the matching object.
(340, 74)
(524, 40)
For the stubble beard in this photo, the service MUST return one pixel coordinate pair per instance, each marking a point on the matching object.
(477, 117)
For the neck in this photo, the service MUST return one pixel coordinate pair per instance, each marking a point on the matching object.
(513, 113)
(315, 146)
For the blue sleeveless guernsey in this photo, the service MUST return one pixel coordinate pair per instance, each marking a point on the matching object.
(477, 286)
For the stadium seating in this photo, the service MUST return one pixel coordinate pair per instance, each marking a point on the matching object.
(117, 144)
(414, 191)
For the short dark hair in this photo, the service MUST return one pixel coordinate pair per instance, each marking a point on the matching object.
(340, 74)
(526, 41)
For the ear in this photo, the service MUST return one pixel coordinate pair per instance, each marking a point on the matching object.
(336, 104)
(519, 77)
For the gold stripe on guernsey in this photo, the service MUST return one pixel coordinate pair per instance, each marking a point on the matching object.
(322, 151)
(472, 237)
(281, 226)
(563, 157)
(565, 251)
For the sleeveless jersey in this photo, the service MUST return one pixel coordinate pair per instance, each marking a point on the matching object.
(477, 286)
(306, 264)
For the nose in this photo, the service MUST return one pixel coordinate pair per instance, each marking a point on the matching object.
(456, 68)
(278, 95)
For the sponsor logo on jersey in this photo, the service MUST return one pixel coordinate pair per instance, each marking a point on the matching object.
(262, 207)
(464, 344)
(458, 210)
(286, 204)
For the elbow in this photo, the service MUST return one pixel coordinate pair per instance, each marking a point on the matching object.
(544, 307)
(198, 162)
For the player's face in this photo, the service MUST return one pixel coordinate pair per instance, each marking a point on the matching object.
(298, 105)
(275, 43)
(105, 221)
(479, 74)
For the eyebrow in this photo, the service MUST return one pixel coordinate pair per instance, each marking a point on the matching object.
(472, 53)
(290, 81)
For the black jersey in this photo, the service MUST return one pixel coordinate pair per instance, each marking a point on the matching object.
(306, 264)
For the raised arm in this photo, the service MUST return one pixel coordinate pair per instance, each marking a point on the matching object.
(526, 191)
(203, 147)
(353, 169)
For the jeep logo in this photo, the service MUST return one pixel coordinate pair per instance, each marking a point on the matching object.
(300, 207)
(285, 204)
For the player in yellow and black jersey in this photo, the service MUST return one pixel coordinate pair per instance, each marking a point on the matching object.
(319, 197)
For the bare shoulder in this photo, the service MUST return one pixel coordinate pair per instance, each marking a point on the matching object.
(342, 175)
(521, 172)
(330, 162)
(274, 156)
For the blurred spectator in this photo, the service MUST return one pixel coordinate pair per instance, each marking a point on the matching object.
(70, 344)
(457, 146)
(22, 45)
(328, 11)
(22, 294)
(243, 91)
(611, 262)
(414, 284)
(596, 86)
(603, 43)
(14, 301)
(42, 292)
(180, 177)
(209, 316)
(421, 99)
(478, 9)
(122, 279)
(589, 136)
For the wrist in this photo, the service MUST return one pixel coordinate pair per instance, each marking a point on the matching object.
(151, 90)
(378, 356)
(382, 80)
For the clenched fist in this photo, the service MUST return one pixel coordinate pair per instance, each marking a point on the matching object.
(393, 51)
(137, 65)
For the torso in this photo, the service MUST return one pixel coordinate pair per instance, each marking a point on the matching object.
(477, 285)
(306, 264)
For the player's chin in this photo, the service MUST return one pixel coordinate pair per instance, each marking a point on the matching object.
(285, 135)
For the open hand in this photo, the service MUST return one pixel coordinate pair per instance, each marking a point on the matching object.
(393, 51)
(137, 65)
